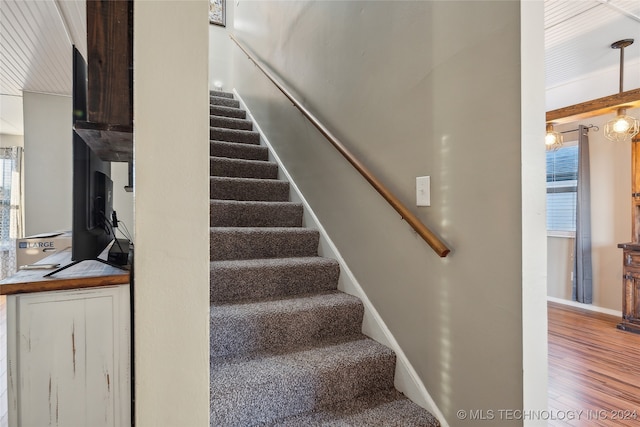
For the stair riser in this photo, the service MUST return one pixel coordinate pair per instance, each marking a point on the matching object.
(385, 408)
(261, 170)
(219, 110)
(229, 283)
(288, 395)
(232, 335)
(238, 189)
(230, 123)
(233, 150)
(234, 135)
(227, 102)
(238, 244)
(230, 214)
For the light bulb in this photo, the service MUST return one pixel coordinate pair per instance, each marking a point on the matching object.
(553, 139)
(621, 125)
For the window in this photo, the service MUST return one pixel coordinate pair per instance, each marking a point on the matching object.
(5, 202)
(562, 180)
(10, 215)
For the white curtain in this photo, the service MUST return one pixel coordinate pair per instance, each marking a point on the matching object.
(10, 207)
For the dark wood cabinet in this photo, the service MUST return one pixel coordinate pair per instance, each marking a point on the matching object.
(631, 252)
(108, 129)
(630, 287)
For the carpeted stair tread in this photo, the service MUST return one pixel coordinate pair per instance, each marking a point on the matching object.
(254, 279)
(241, 168)
(234, 135)
(228, 243)
(221, 110)
(264, 388)
(235, 150)
(283, 324)
(223, 100)
(387, 408)
(233, 213)
(221, 94)
(230, 123)
(233, 188)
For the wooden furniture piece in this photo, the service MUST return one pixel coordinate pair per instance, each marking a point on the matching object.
(630, 287)
(108, 129)
(68, 346)
(631, 251)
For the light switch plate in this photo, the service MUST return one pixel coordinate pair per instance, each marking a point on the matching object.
(423, 191)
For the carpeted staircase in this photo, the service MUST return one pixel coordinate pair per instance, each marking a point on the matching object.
(286, 345)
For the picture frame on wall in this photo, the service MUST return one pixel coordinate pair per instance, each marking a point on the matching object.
(217, 12)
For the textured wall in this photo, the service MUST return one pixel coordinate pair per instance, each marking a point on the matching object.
(413, 88)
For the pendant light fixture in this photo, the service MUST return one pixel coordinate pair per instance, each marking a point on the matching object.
(622, 127)
(553, 139)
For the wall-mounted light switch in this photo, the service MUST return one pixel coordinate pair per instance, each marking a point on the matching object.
(423, 191)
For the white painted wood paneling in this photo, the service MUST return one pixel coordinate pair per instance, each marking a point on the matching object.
(578, 36)
(69, 358)
(35, 51)
(74, 17)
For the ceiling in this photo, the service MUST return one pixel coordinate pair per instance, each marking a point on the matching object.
(35, 52)
(36, 38)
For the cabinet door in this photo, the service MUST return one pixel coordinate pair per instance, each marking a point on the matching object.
(71, 364)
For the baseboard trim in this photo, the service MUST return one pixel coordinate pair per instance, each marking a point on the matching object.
(406, 378)
(590, 307)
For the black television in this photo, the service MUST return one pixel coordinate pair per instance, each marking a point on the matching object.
(92, 186)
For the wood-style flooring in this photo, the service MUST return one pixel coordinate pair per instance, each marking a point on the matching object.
(593, 368)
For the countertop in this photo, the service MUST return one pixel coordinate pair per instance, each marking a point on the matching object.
(86, 274)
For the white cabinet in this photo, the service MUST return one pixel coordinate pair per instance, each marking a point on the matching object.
(69, 358)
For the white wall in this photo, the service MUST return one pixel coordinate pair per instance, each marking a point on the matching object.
(48, 166)
(122, 200)
(560, 266)
(415, 88)
(11, 115)
(534, 244)
(221, 48)
(610, 166)
(47, 163)
(11, 140)
(171, 150)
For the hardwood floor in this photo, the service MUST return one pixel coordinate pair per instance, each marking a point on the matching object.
(593, 368)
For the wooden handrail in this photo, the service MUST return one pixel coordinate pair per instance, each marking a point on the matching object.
(432, 240)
